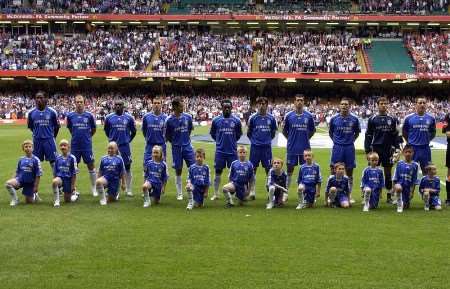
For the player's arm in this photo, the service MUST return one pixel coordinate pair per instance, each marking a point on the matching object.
(93, 126)
(274, 128)
(405, 129)
(421, 186)
(36, 184)
(250, 128)
(30, 122)
(208, 182)
(144, 127)
(165, 177)
(107, 127)
(311, 127)
(132, 127)
(238, 129)
(432, 129)
(73, 181)
(445, 127)
(56, 125)
(357, 128)
(212, 131)
(69, 123)
(190, 125)
(168, 130)
(331, 128)
(368, 138)
(285, 126)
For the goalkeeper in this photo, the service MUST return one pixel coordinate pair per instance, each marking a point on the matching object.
(383, 138)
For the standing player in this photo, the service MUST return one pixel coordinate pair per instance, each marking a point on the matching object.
(153, 129)
(121, 129)
(419, 129)
(82, 127)
(178, 130)
(344, 130)
(262, 128)
(446, 130)
(298, 128)
(28, 175)
(226, 129)
(43, 122)
(382, 137)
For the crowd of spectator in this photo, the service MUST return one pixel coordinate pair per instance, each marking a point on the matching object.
(309, 52)
(429, 51)
(204, 51)
(418, 7)
(203, 107)
(83, 6)
(279, 7)
(97, 50)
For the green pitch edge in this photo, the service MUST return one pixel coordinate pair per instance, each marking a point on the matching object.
(390, 56)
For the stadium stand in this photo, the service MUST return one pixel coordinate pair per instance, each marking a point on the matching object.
(389, 55)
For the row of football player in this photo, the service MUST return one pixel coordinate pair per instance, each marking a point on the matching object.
(298, 127)
(111, 174)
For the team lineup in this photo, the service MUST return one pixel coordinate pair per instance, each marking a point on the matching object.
(383, 145)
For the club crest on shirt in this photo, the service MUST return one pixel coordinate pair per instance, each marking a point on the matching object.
(47, 117)
(389, 122)
(268, 122)
(428, 122)
(305, 121)
(125, 121)
(232, 124)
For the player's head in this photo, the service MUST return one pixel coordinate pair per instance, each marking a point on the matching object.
(64, 146)
(382, 104)
(277, 163)
(408, 152)
(41, 100)
(308, 156)
(119, 106)
(79, 102)
(27, 146)
(431, 169)
(373, 159)
(262, 103)
(177, 105)
(113, 149)
(339, 169)
(299, 101)
(157, 153)
(242, 152)
(344, 106)
(157, 104)
(226, 107)
(421, 104)
(200, 155)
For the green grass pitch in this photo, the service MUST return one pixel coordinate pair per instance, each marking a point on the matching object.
(122, 245)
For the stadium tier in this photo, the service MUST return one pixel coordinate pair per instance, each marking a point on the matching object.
(280, 7)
